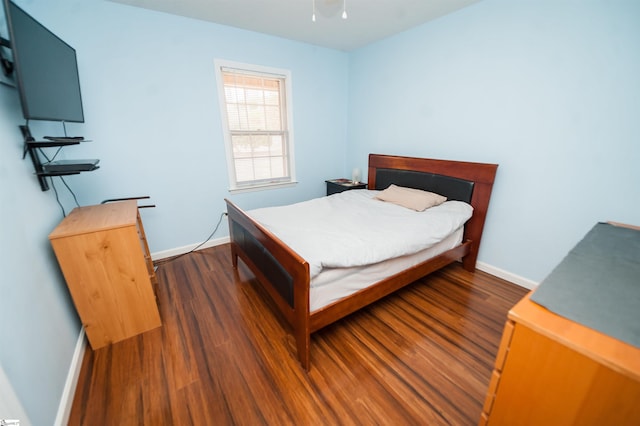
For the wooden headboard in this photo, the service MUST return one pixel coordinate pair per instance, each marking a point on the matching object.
(457, 180)
(450, 187)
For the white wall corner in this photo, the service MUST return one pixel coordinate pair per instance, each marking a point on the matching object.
(10, 406)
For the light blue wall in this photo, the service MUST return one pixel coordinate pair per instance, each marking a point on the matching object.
(151, 109)
(38, 325)
(548, 89)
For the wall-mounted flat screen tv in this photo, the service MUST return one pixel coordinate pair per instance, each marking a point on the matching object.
(46, 69)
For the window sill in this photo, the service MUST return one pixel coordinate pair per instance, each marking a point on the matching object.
(240, 190)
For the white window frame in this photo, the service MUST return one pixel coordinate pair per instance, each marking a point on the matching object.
(285, 75)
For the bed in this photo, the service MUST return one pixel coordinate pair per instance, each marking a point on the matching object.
(286, 276)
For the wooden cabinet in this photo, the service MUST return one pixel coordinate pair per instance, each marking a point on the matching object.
(553, 371)
(104, 256)
(338, 185)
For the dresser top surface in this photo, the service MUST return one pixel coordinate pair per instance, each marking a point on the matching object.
(97, 218)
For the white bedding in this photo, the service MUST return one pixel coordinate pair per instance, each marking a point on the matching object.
(333, 284)
(352, 228)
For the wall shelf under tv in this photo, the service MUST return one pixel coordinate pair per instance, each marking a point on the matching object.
(49, 144)
(31, 147)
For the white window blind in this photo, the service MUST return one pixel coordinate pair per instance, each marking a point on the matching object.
(258, 140)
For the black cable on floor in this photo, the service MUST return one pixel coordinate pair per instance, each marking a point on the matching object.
(199, 245)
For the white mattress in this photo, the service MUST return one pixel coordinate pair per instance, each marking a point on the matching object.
(333, 284)
(353, 228)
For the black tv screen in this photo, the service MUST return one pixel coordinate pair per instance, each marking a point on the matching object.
(46, 69)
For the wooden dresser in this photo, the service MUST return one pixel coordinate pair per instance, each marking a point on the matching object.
(551, 370)
(104, 256)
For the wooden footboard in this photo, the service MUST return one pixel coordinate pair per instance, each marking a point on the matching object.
(279, 269)
(285, 275)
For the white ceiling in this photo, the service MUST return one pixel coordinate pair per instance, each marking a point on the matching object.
(368, 20)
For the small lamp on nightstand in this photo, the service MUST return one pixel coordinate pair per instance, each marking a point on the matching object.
(355, 175)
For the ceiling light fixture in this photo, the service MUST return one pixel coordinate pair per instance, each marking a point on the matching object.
(328, 8)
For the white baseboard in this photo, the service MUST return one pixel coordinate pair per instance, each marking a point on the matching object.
(186, 249)
(505, 275)
(69, 391)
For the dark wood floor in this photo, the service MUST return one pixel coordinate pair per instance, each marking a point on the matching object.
(421, 356)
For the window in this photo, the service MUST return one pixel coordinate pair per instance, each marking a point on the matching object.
(256, 119)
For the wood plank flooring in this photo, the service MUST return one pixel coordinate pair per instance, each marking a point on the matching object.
(423, 355)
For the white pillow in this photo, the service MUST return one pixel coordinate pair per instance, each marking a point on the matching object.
(414, 199)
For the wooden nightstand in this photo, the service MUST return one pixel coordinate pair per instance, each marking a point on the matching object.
(338, 185)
